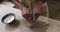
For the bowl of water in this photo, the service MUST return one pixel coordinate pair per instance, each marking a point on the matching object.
(8, 18)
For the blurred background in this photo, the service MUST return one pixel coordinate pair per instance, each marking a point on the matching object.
(54, 9)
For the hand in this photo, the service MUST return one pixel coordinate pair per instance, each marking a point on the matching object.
(25, 10)
(26, 14)
(36, 9)
(36, 13)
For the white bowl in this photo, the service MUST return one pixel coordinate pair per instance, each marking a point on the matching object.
(8, 18)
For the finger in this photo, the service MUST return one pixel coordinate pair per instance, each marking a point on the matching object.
(26, 16)
(37, 15)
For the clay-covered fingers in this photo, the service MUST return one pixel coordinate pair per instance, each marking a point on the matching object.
(36, 13)
(27, 17)
(26, 14)
(24, 9)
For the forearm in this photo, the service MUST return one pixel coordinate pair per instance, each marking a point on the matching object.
(36, 10)
(20, 6)
(37, 6)
(17, 4)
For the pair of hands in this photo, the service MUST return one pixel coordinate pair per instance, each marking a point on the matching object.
(25, 10)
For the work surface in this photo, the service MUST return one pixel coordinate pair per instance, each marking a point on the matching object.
(43, 24)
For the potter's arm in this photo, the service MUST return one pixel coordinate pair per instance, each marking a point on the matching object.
(25, 10)
(19, 5)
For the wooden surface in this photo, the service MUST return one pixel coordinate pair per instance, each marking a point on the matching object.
(54, 9)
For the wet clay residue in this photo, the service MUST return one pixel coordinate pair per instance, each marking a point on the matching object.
(40, 27)
(13, 25)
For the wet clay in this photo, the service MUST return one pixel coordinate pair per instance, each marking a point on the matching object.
(40, 27)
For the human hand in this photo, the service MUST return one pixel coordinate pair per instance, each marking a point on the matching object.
(37, 9)
(26, 14)
(36, 12)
